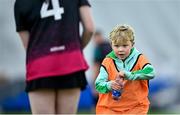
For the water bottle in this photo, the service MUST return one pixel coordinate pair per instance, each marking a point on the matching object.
(116, 94)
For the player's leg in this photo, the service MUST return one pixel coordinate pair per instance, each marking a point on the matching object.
(42, 101)
(67, 100)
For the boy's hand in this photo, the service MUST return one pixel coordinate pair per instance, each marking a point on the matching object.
(116, 85)
(121, 74)
(121, 81)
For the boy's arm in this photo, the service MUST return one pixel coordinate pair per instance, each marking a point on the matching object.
(144, 74)
(102, 84)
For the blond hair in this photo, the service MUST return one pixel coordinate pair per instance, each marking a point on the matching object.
(122, 34)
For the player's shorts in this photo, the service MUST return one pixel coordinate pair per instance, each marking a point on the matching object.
(74, 80)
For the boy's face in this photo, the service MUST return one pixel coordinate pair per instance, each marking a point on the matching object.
(122, 50)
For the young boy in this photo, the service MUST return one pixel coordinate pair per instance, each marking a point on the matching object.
(127, 62)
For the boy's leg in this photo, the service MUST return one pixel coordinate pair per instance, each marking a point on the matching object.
(42, 101)
(67, 100)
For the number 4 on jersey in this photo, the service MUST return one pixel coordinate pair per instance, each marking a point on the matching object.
(56, 10)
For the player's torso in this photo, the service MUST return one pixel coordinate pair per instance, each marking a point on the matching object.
(54, 43)
(53, 26)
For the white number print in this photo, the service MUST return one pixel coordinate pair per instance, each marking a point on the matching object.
(56, 10)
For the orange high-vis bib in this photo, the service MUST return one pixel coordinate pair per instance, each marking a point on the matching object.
(134, 98)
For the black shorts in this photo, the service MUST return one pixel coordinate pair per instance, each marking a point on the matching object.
(74, 80)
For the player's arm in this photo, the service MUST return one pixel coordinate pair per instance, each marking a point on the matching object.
(24, 35)
(144, 74)
(102, 84)
(88, 25)
(95, 68)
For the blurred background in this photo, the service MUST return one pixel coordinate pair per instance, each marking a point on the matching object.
(157, 29)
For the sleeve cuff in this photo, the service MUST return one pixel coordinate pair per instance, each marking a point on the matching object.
(109, 85)
(127, 75)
